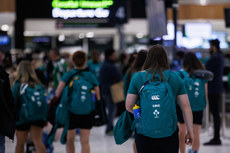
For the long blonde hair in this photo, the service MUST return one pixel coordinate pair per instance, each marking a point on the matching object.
(26, 73)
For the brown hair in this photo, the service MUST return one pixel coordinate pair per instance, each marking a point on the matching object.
(156, 60)
(192, 63)
(26, 73)
(95, 56)
(79, 58)
(55, 51)
(138, 63)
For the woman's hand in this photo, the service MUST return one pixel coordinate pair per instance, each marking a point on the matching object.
(189, 138)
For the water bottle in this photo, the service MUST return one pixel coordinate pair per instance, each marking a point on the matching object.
(190, 150)
(93, 95)
(137, 116)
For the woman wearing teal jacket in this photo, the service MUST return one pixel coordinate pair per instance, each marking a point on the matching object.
(197, 98)
(137, 66)
(27, 75)
(156, 70)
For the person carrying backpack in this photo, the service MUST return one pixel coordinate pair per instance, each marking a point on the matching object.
(197, 93)
(31, 107)
(155, 90)
(81, 101)
(136, 67)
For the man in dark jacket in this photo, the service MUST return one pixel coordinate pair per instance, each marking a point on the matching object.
(7, 122)
(215, 88)
(108, 76)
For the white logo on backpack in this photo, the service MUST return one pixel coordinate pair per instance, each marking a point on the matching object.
(33, 98)
(39, 104)
(196, 84)
(156, 105)
(83, 98)
(155, 97)
(84, 87)
(156, 113)
(36, 93)
(196, 94)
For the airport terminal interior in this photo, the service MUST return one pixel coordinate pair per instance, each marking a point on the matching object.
(30, 29)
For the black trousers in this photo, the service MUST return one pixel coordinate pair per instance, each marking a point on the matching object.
(214, 106)
(157, 145)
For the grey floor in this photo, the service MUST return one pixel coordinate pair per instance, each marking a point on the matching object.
(100, 143)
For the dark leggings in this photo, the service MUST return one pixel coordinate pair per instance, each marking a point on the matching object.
(214, 105)
(157, 145)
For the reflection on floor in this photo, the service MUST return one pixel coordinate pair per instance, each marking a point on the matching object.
(100, 143)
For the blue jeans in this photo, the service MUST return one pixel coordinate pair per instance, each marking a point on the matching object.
(2, 143)
(112, 110)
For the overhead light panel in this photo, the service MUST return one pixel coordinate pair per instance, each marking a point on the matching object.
(81, 35)
(90, 35)
(61, 38)
(5, 27)
(139, 35)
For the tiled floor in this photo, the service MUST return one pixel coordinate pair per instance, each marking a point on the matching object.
(105, 144)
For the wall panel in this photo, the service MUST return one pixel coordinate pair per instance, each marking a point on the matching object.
(7, 6)
(200, 12)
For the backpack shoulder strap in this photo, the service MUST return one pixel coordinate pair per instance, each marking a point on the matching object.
(142, 87)
(170, 91)
(72, 76)
(23, 88)
(167, 74)
(184, 74)
(21, 91)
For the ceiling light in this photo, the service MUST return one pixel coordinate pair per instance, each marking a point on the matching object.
(5, 27)
(139, 35)
(90, 35)
(81, 35)
(61, 38)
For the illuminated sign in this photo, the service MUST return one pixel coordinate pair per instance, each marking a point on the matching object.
(81, 8)
(73, 4)
(80, 13)
(4, 40)
(106, 11)
(75, 13)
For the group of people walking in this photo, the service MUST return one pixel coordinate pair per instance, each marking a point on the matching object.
(171, 103)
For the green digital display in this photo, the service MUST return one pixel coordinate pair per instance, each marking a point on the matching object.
(75, 4)
(108, 11)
